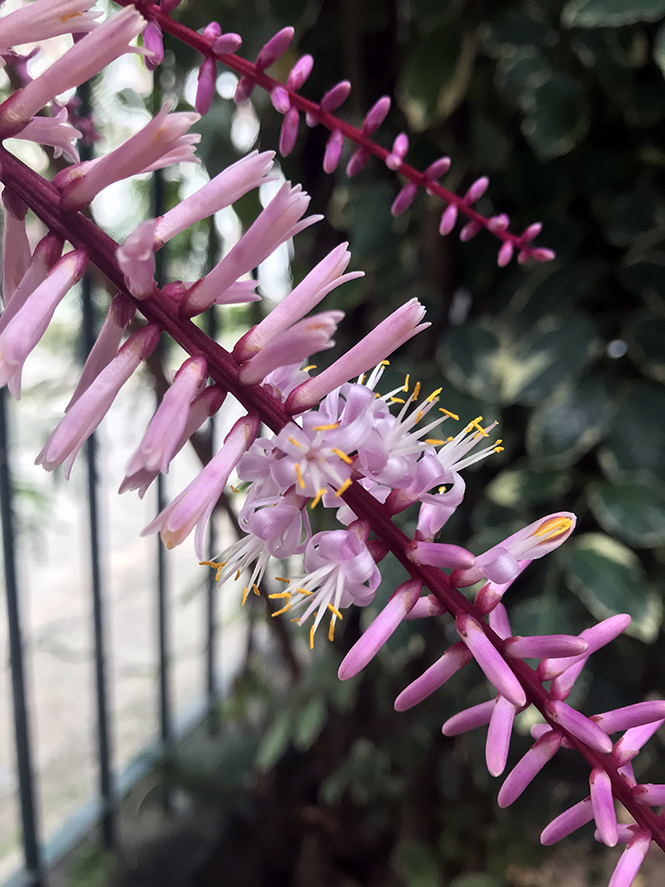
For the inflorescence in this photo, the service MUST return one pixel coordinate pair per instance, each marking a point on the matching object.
(330, 439)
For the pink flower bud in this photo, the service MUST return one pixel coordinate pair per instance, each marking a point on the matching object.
(212, 31)
(579, 726)
(376, 115)
(505, 254)
(528, 768)
(356, 162)
(333, 153)
(469, 231)
(280, 100)
(289, 132)
(499, 223)
(544, 645)
(136, 258)
(496, 670)
(205, 89)
(476, 190)
(396, 157)
(404, 199)
(469, 719)
(440, 554)
(244, 89)
(630, 861)
(637, 715)
(335, 96)
(300, 72)
(498, 736)
(626, 748)
(274, 48)
(531, 232)
(437, 169)
(455, 658)
(378, 632)
(448, 219)
(602, 802)
(226, 43)
(543, 255)
(153, 41)
(567, 822)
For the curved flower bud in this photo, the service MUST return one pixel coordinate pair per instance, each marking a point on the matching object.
(490, 660)
(455, 658)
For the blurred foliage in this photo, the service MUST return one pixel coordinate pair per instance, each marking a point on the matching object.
(563, 105)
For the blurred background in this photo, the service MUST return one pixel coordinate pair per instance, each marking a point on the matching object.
(293, 778)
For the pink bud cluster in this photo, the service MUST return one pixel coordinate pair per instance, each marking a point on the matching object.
(332, 440)
(286, 99)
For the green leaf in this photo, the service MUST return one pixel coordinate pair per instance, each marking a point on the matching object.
(520, 74)
(309, 723)
(633, 511)
(416, 864)
(557, 350)
(646, 336)
(275, 742)
(470, 360)
(611, 13)
(564, 428)
(635, 444)
(514, 28)
(521, 486)
(557, 116)
(609, 579)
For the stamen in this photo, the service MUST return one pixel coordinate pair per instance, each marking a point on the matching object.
(245, 593)
(419, 416)
(311, 638)
(433, 441)
(449, 414)
(434, 395)
(255, 589)
(326, 427)
(335, 611)
(294, 442)
(233, 489)
(280, 594)
(361, 379)
(305, 592)
(499, 449)
(301, 482)
(282, 579)
(406, 384)
(342, 455)
(216, 566)
(416, 391)
(311, 366)
(331, 630)
(475, 423)
(237, 576)
(396, 400)
(385, 363)
(345, 486)
(315, 501)
(283, 610)
(553, 528)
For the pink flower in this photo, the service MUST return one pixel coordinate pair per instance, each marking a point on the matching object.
(193, 507)
(42, 19)
(93, 404)
(137, 260)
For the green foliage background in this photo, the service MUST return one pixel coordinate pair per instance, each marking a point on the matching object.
(563, 106)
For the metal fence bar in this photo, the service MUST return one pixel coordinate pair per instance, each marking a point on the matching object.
(211, 641)
(30, 836)
(108, 818)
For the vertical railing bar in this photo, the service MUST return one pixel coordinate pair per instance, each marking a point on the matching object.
(108, 825)
(211, 645)
(31, 850)
(165, 714)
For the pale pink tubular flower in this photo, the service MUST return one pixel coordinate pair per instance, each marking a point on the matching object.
(46, 254)
(383, 626)
(500, 564)
(42, 19)
(392, 332)
(602, 802)
(85, 415)
(567, 822)
(498, 736)
(136, 258)
(159, 443)
(230, 185)
(630, 860)
(629, 716)
(544, 749)
(321, 280)
(289, 132)
(162, 141)
(440, 554)
(16, 251)
(596, 637)
(306, 337)
(86, 58)
(204, 405)
(629, 745)
(193, 507)
(153, 42)
(455, 658)
(333, 152)
(119, 316)
(578, 725)
(277, 223)
(476, 716)
(56, 132)
(496, 670)
(29, 324)
(205, 90)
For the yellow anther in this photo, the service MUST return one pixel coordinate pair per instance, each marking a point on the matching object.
(331, 630)
(282, 579)
(311, 366)
(255, 589)
(315, 501)
(311, 638)
(283, 610)
(326, 427)
(553, 528)
(434, 395)
(233, 489)
(280, 594)
(497, 442)
(433, 441)
(385, 363)
(305, 592)
(335, 611)
(475, 423)
(406, 383)
(442, 489)
(295, 442)
(245, 593)
(237, 576)
(396, 400)
(498, 449)
(449, 414)
(345, 486)
(416, 391)
(361, 381)
(342, 455)
(216, 566)
(301, 482)
(448, 439)
(376, 394)
(419, 415)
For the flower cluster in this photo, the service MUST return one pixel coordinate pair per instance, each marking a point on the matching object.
(331, 439)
